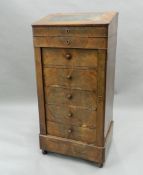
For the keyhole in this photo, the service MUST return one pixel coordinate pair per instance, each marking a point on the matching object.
(68, 42)
(68, 31)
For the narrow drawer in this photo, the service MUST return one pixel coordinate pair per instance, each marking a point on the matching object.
(74, 115)
(71, 31)
(58, 95)
(71, 132)
(72, 78)
(69, 57)
(71, 42)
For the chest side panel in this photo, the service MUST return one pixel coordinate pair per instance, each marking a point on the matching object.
(110, 73)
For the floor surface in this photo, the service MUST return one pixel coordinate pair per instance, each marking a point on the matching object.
(20, 153)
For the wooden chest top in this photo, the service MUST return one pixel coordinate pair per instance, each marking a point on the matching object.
(74, 19)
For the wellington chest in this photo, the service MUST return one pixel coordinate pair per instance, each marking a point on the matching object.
(75, 65)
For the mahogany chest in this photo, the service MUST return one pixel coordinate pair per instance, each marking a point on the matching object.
(75, 65)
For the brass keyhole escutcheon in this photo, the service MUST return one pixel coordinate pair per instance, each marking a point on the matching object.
(68, 42)
(68, 30)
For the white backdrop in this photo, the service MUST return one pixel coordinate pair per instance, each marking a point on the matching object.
(19, 151)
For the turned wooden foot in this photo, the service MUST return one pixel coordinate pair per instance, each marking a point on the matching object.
(100, 165)
(44, 152)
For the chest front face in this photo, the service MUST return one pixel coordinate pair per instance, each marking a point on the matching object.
(71, 66)
(71, 80)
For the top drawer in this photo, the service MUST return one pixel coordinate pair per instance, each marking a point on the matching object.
(98, 31)
(70, 42)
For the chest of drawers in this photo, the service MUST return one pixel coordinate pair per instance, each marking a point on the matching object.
(75, 63)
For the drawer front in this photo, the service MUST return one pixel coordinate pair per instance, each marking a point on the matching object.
(57, 95)
(76, 116)
(70, 31)
(71, 132)
(71, 78)
(71, 42)
(69, 57)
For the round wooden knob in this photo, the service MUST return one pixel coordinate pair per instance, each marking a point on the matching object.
(69, 96)
(69, 130)
(95, 109)
(69, 77)
(70, 114)
(68, 56)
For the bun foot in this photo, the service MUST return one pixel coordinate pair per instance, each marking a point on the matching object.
(100, 165)
(44, 152)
